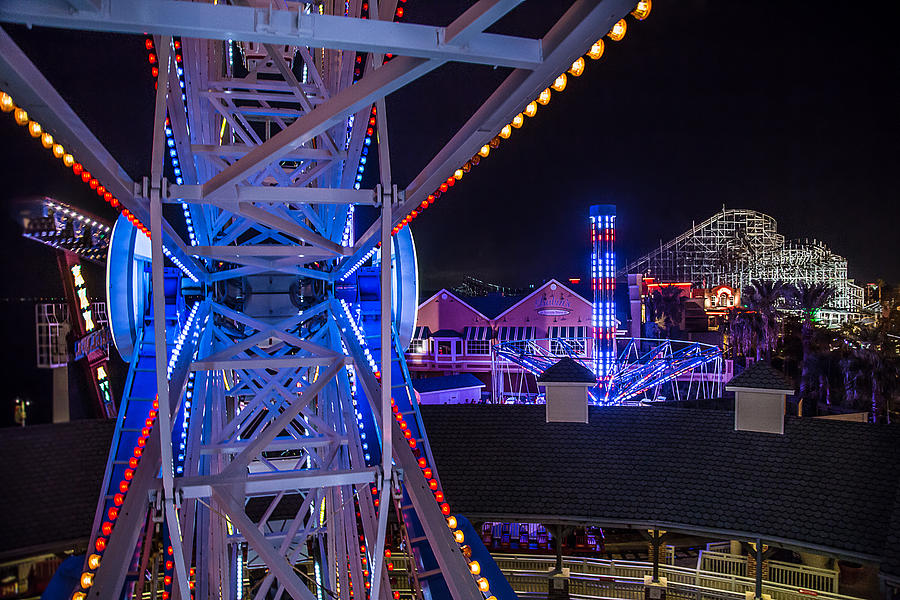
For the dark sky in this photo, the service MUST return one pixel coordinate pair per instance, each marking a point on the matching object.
(786, 109)
(704, 104)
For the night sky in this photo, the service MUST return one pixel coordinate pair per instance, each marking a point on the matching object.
(786, 109)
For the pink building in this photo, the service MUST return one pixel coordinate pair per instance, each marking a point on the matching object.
(454, 335)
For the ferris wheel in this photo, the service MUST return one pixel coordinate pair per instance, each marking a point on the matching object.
(268, 443)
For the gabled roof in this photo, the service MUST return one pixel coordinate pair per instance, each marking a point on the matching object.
(762, 376)
(493, 304)
(826, 485)
(457, 298)
(567, 370)
(446, 382)
(53, 475)
(538, 290)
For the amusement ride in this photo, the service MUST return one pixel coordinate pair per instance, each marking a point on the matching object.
(268, 441)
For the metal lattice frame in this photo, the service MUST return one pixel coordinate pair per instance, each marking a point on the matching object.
(643, 369)
(267, 166)
(52, 325)
(734, 247)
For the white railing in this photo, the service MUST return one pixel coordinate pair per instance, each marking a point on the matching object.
(724, 547)
(789, 574)
(722, 562)
(803, 576)
(593, 579)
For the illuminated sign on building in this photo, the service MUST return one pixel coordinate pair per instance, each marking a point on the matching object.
(94, 341)
(603, 284)
(552, 306)
(84, 305)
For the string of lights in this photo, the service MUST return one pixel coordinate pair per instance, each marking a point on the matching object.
(8, 105)
(617, 33)
(87, 577)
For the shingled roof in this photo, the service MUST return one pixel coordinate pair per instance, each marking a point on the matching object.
(762, 376)
(825, 485)
(51, 476)
(567, 370)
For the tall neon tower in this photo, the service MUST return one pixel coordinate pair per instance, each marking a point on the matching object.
(603, 283)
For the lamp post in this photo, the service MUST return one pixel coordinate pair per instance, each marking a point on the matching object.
(20, 410)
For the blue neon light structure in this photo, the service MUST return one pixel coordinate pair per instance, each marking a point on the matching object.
(603, 284)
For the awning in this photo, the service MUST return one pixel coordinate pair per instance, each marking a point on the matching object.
(516, 334)
(446, 333)
(421, 333)
(568, 333)
(482, 334)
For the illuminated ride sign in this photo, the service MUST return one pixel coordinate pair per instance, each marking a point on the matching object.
(84, 305)
(93, 346)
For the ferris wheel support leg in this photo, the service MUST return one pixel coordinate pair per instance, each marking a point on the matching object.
(164, 427)
(387, 417)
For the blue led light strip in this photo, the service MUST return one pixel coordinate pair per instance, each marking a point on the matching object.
(347, 238)
(603, 284)
(170, 135)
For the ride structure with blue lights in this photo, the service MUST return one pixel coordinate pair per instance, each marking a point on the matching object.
(244, 453)
(603, 285)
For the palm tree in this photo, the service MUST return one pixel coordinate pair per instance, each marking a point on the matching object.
(855, 381)
(666, 307)
(873, 351)
(809, 299)
(764, 297)
(743, 332)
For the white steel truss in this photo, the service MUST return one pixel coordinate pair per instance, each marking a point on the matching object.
(735, 247)
(267, 159)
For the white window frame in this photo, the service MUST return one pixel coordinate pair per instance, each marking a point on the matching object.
(418, 347)
(486, 347)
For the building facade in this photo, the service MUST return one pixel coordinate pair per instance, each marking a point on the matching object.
(454, 334)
